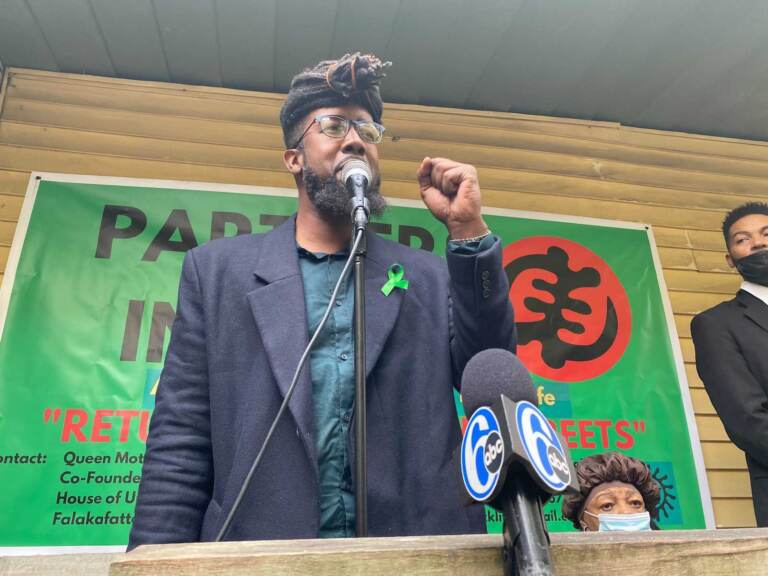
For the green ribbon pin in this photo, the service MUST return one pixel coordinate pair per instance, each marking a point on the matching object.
(396, 274)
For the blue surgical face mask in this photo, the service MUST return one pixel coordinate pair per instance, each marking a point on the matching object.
(639, 522)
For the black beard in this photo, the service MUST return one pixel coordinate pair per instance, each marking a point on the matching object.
(332, 199)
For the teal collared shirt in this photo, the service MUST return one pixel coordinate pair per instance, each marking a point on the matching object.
(331, 364)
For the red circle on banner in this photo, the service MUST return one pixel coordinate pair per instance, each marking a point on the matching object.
(572, 313)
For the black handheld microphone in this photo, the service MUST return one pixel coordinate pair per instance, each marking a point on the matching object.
(356, 175)
(511, 458)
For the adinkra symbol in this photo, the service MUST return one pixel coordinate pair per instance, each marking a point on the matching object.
(668, 499)
(555, 352)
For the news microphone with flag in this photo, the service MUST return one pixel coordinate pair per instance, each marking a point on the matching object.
(356, 175)
(511, 458)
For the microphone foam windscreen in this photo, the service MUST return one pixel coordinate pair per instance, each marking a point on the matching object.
(493, 372)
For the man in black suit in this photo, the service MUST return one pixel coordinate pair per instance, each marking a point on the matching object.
(731, 342)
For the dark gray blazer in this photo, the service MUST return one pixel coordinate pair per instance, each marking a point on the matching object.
(239, 331)
(731, 342)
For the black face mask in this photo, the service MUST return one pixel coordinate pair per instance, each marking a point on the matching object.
(754, 268)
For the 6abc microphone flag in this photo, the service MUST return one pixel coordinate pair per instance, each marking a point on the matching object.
(525, 436)
(511, 458)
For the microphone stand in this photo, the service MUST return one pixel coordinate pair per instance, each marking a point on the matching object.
(526, 552)
(360, 213)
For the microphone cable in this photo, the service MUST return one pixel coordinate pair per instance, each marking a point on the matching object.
(345, 271)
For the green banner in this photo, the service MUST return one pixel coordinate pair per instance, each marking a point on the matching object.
(89, 299)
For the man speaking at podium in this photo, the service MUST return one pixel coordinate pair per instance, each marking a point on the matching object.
(247, 307)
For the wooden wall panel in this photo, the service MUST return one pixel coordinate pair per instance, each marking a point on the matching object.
(733, 512)
(711, 428)
(693, 302)
(694, 381)
(681, 184)
(701, 403)
(728, 483)
(696, 281)
(12, 182)
(10, 207)
(682, 323)
(6, 232)
(723, 456)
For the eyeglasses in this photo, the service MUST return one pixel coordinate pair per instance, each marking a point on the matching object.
(338, 127)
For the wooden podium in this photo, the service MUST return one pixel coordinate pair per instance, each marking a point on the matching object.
(695, 553)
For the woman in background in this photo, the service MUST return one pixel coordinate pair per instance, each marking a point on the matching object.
(617, 493)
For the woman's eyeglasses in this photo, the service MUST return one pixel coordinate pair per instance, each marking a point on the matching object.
(337, 127)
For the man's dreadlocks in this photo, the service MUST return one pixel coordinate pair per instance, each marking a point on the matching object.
(352, 79)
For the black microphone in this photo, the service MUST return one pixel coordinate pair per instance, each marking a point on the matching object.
(356, 175)
(511, 458)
